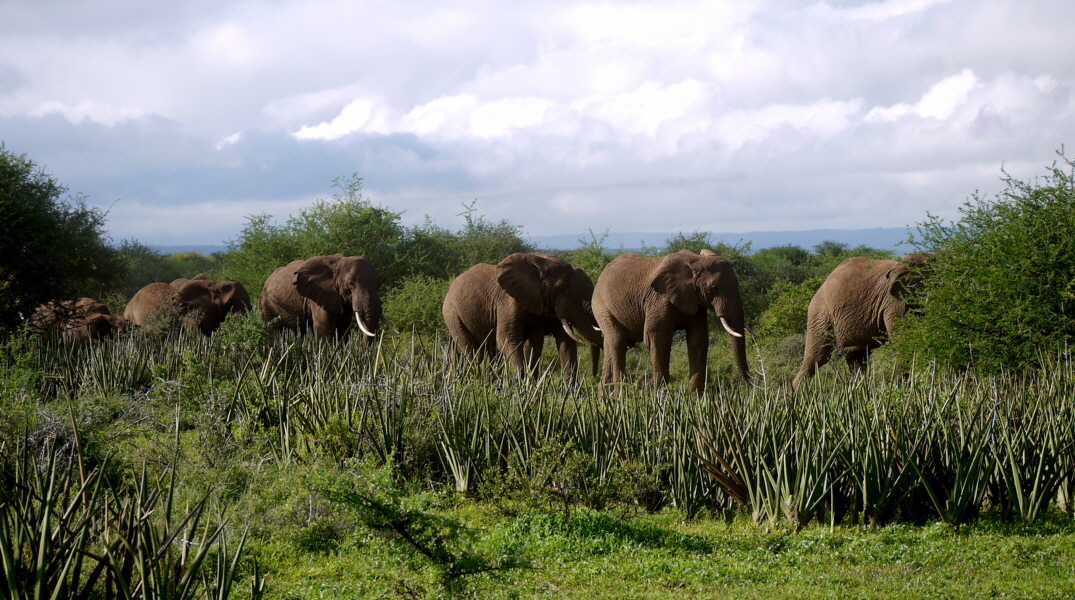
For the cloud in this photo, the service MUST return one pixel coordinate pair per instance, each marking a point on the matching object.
(939, 102)
(558, 115)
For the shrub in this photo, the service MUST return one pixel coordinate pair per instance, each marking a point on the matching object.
(416, 305)
(50, 248)
(1002, 284)
(788, 308)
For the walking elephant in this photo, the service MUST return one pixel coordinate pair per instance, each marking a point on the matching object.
(83, 320)
(503, 308)
(855, 309)
(643, 299)
(325, 293)
(198, 304)
(566, 346)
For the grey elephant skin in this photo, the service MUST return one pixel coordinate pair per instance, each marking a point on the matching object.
(855, 309)
(503, 309)
(324, 293)
(77, 321)
(197, 304)
(644, 299)
(567, 346)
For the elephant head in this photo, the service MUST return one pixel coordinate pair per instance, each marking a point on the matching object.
(99, 326)
(692, 282)
(906, 276)
(548, 286)
(341, 284)
(213, 301)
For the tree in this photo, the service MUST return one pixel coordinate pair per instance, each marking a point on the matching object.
(1001, 287)
(347, 224)
(50, 247)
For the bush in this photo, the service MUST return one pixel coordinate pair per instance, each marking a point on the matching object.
(347, 224)
(50, 248)
(146, 265)
(788, 308)
(1002, 285)
(416, 305)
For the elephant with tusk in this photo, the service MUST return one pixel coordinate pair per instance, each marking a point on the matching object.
(567, 339)
(510, 307)
(644, 299)
(324, 293)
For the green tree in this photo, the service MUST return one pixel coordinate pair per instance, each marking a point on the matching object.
(1001, 287)
(347, 223)
(50, 247)
(146, 265)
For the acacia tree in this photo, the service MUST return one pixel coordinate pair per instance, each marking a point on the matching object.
(1001, 287)
(51, 247)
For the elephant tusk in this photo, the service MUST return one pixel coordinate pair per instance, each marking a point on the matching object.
(567, 328)
(597, 329)
(389, 324)
(363, 327)
(729, 329)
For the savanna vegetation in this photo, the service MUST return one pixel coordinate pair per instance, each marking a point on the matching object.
(249, 465)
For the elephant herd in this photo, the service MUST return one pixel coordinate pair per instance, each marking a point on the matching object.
(509, 308)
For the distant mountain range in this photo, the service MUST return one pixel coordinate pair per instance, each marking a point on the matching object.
(885, 238)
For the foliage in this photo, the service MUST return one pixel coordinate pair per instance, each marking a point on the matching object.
(788, 307)
(440, 253)
(590, 256)
(446, 543)
(347, 224)
(50, 247)
(146, 265)
(416, 305)
(1002, 284)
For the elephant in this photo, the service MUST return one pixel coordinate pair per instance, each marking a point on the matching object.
(183, 280)
(645, 299)
(198, 304)
(82, 320)
(855, 309)
(503, 308)
(326, 293)
(566, 346)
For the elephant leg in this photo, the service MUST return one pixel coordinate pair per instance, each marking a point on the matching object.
(658, 340)
(615, 363)
(532, 346)
(856, 361)
(595, 361)
(510, 341)
(568, 350)
(817, 353)
(697, 352)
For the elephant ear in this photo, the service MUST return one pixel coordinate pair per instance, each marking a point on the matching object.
(316, 280)
(674, 279)
(194, 293)
(520, 276)
(902, 281)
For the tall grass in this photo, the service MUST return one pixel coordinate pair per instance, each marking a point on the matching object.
(928, 444)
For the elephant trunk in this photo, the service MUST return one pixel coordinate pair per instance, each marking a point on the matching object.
(574, 313)
(732, 317)
(367, 308)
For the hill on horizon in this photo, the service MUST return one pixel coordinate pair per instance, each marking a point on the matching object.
(884, 238)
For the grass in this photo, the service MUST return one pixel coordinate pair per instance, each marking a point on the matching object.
(366, 472)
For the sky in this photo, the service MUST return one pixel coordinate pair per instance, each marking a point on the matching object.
(182, 119)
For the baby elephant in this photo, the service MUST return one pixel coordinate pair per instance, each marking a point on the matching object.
(855, 308)
(77, 321)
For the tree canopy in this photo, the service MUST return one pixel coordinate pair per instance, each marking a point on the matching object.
(52, 246)
(1001, 287)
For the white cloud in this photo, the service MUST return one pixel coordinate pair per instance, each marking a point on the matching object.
(599, 110)
(939, 102)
